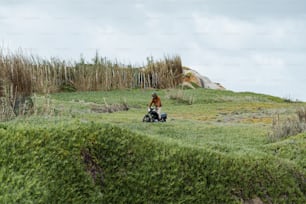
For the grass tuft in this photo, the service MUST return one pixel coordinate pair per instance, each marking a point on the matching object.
(290, 126)
(181, 97)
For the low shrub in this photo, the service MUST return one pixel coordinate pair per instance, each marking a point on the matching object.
(137, 169)
(282, 128)
(6, 110)
(301, 113)
(94, 163)
(110, 108)
(23, 105)
(67, 86)
(180, 97)
(43, 165)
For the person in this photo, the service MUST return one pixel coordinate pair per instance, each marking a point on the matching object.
(157, 103)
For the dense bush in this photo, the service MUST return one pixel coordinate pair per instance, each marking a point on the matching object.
(43, 166)
(137, 169)
(92, 163)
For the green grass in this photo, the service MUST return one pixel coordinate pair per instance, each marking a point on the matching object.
(224, 120)
(222, 130)
(237, 120)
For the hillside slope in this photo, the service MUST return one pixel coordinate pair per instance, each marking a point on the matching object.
(215, 148)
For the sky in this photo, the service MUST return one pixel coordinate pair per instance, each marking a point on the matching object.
(255, 45)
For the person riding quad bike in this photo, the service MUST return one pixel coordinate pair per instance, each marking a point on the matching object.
(154, 114)
(157, 103)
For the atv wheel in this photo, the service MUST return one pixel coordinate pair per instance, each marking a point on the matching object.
(146, 118)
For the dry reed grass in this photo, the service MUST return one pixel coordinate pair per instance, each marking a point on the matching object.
(290, 126)
(27, 74)
(181, 97)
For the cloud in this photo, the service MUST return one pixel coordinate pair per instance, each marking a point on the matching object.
(43, 32)
(263, 56)
(232, 33)
(245, 45)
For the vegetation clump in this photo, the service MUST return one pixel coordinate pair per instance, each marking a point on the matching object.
(27, 74)
(181, 97)
(288, 127)
(96, 163)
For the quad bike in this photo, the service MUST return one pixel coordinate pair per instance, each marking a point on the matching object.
(152, 116)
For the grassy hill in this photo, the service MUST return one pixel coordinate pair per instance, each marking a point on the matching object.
(216, 147)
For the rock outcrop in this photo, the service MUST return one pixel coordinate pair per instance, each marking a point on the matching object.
(193, 79)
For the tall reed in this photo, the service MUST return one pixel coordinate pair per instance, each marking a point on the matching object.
(23, 74)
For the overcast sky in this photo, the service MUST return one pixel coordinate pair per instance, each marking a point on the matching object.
(254, 45)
